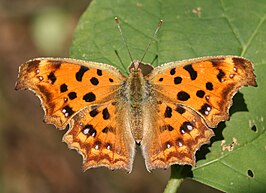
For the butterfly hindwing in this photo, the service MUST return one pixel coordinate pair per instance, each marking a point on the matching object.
(102, 137)
(175, 135)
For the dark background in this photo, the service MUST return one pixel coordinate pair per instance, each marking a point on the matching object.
(32, 156)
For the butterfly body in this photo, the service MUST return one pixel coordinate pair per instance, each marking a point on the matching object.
(168, 110)
(139, 93)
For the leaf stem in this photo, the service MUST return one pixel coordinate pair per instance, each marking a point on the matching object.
(175, 179)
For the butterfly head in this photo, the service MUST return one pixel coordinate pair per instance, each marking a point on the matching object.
(138, 67)
(134, 67)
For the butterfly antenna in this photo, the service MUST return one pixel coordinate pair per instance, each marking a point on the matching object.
(120, 60)
(154, 34)
(119, 28)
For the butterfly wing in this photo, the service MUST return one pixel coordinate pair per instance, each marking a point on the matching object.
(175, 133)
(65, 86)
(189, 97)
(102, 136)
(74, 91)
(206, 85)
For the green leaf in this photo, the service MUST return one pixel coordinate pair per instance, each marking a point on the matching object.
(193, 29)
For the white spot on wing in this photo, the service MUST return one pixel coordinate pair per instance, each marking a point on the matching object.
(86, 131)
(96, 147)
(168, 145)
(189, 127)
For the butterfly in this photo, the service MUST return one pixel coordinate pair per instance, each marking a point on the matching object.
(168, 110)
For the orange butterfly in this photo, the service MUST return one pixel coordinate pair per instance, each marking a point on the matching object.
(168, 110)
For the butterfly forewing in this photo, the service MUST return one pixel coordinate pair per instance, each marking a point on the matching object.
(205, 85)
(66, 86)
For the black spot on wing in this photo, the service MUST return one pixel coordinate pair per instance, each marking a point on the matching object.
(89, 97)
(209, 86)
(105, 130)
(183, 96)
(220, 75)
(172, 71)
(106, 114)
(205, 109)
(81, 72)
(200, 93)
(180, 110)
(168, 112)
(99, 72)
(94, 81)
(63, 88)
(186, 127)
(72, 95)
(177, 80)
(191, 71)
(94, 112)
(67, 111)
(89, 130)
(52, 77)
